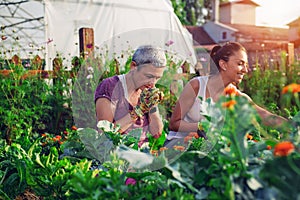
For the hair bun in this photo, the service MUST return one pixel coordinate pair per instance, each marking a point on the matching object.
(214, 50)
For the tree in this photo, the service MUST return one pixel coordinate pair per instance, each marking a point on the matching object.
(193, 12)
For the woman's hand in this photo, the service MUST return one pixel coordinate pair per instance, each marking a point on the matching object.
(149, 98)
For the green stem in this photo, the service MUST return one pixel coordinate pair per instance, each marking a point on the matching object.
(293, 165)
(153, 145)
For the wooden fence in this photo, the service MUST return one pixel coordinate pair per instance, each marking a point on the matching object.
(86, 47)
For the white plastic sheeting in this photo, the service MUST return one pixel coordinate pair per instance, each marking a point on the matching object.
(118, 25)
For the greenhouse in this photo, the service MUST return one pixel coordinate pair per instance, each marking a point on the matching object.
(114, 99)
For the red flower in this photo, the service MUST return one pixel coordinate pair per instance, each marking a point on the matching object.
(283, 148)
(66, 133)
(269, 147)
(74, 128)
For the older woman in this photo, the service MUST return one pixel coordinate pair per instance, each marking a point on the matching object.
(119, 98)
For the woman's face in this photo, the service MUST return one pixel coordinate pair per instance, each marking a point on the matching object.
(237, 67)
(147, 76)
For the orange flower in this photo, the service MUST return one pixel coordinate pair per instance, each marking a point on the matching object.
(154, 152)
(283, 148)
(293, 88)
(44, 144)
(163, 148)
(56, 138)
(74, 128)
(231, 91)
(44, 135)
(269, 147)
(194, 134)
(179, 148)
(249, 137)
(229, 104)
(187, 139)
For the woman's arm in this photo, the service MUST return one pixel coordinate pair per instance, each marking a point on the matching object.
(105, 111)
(183, 105)
(268, 118)
(155, 123)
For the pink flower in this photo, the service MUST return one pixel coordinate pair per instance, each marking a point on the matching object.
(130, 181)
(169, 43)
(49, 41)
(89, 46)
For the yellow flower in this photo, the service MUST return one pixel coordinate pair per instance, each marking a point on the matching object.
(293, 88)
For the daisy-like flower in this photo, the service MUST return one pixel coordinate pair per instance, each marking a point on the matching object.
(90, 70)
(293, 88)
(90, 76)
(229, 104)
(284, 148)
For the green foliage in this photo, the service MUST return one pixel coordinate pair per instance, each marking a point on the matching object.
(264, 85)
(283, 173)
(65, 163)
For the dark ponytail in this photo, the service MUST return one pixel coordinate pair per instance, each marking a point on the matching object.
(223, 53)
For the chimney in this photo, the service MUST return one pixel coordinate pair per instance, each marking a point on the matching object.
(215, 4)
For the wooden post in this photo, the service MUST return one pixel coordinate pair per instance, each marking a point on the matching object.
(37, 63)
(86, 42)
(16, 60)
(291, 54)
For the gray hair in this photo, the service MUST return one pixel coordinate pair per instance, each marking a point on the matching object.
(149, 55)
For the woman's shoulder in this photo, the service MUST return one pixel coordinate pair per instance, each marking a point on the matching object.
(110, 80)
(108, 86)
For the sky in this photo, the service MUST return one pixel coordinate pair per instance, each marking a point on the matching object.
(277, 12)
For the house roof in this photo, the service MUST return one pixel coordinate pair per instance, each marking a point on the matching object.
(249, 2)
(251, 36)
(295, 22)
(200, 36)
(260, 33)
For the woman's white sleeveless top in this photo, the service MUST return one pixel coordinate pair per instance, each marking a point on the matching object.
(194, 113)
